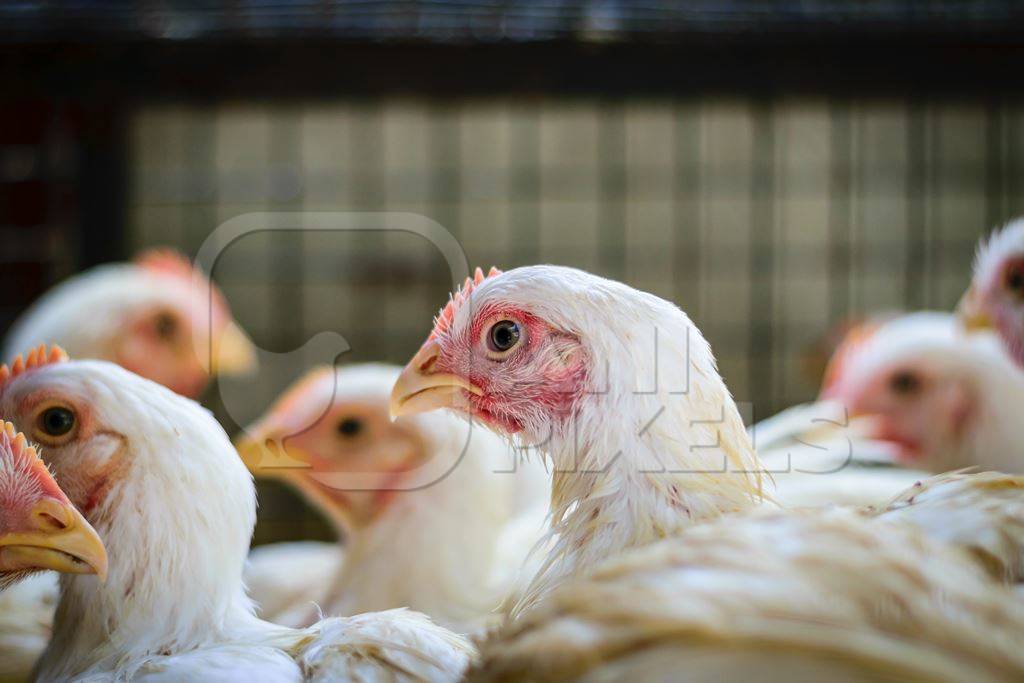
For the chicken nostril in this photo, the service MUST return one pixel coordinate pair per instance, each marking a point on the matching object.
(428, 364)
(47, 522)
(50, 515)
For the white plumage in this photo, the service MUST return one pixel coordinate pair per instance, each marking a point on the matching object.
(816, 596)
(288, 580)
(175, 506)
(449, 543)
(867, 442)
(86, 313)
(820, 594)
(26, 617)
(156, 316)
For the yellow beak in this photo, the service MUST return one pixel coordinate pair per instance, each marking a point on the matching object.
(419, 390)
(233, 352)
(264, 454)
(60, 539)
(972, 316)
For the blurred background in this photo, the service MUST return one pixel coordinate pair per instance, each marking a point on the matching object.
(775, 167)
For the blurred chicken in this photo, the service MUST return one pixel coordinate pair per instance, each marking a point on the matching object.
(995, 298)
(981, 513)
(775, 597)
(148, 316)
(911, 392)
(161, 483)
(557, 357)
(39, 529)
(288, 582)
(942, 399)
(443, 516)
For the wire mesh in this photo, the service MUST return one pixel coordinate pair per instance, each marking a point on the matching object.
(769, 220)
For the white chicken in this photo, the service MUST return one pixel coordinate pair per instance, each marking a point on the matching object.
(39, 529)
(146, 316)
(775, 597)
(911, 396)
(942, 399)
(645, 443)
(995, 298)
(443, 518)
(163, 486)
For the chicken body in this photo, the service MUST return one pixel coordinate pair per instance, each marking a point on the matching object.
(447, 513)
(162, 485)
(638, 457)
(289, 581)
(773, 596)
(26, 621)
(815, 455)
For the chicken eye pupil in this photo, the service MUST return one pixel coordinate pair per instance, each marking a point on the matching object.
(350, 426)
(905, 383)
(1015, 279)
(57, 421)
(504, 335)
(165, 326)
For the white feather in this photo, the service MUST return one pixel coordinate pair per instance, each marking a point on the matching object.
(176, 523)
(86, 313)
(452, 548)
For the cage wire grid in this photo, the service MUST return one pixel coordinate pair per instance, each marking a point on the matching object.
(769, 220)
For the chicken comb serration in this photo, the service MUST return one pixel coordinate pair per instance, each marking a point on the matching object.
(166, 261)
(444, 318)
(170, 262)
(35, 358)
(852, 342)
(19, 445)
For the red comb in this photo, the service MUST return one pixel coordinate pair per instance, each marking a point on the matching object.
(35, 358)
(17, 442)
(166, 261)
(444, 319)
(27, 460)
(844, 353)
(170, 262)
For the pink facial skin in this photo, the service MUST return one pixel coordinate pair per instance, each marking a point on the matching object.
(39, 528)
(536, 383)
(158, 346)
(921, 413)
(84, 482)
(87, 456)
(1002, 302)
(356, 437)
(161, 341)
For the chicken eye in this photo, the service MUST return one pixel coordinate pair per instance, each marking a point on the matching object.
(56, 421)
(503, 336)
(166, 326)
(905, 383)
(350, 427)
(1015, 279)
